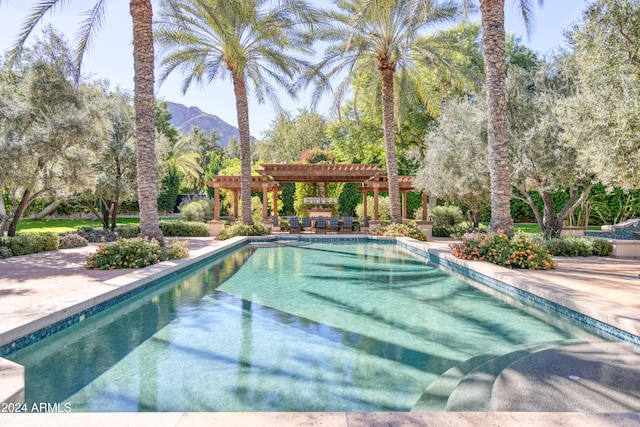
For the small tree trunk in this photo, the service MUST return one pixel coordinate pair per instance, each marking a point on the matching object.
(17, 213)
(48, 209)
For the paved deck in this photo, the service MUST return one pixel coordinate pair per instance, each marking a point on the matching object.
(37, 290)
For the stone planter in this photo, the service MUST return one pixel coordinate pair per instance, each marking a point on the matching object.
(215, 226)
(426, 227)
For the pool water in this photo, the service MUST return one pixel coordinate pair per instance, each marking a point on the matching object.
(308, 327)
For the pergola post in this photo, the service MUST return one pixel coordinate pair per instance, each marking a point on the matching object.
(404, 205)
(275, 201)
(216, 202)
(236, 196)
(376, 192)
(425, 206)
(365, 193)
(265, 201)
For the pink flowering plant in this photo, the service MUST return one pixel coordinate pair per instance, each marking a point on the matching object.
(134, 253)
(517, 251)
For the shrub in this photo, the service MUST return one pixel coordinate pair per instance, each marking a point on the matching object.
(128, 231)
(384, 208)
(242, 229)
(197, 210)
(184, 229)
(517, 251)
(578, 246)
(97, 235)
(134, 253)
(446, 216)
(72, 240)
(5, 252)
(24, 244)
(401, 230)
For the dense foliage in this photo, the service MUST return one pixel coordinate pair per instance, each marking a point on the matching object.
(516, 251)
(72, 240)
(242, 229)
(578, 246)
(400, 230)
(24, 244)
(134, 253)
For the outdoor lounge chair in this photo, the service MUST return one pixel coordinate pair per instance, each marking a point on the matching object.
(332, 225)
(347, 224)
(306, 224)
(321, 225)
(294, 225)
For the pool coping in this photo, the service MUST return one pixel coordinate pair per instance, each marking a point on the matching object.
(134, 282)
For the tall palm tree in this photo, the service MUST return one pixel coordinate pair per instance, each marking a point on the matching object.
(493, 46)
(385, 35)
(141, 14)
(252, 41)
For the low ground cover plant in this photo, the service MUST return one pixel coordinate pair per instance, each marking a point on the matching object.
(169, 229)
(134, 253)
(72, 240)
(400, 230)
(242, 229)
(572, 246)
(96, 234)
(516, 251)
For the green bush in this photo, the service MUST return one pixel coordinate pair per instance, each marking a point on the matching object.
(384, 208)
(578, 246)
(134, 253)
(128, 231)
(24, 244)
(517, 251)
(72, 240)
(446, 216)
(400, 230)
(5, 252)
(184, 229)
(242, 229)
(197, 211)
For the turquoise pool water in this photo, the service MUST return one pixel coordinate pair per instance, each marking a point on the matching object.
(308, 327)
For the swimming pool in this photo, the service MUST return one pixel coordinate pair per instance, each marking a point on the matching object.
(293, 327)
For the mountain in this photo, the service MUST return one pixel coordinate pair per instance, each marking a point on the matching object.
(184, 118)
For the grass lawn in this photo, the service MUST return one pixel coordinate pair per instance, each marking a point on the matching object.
(535, 228)
(63, 225)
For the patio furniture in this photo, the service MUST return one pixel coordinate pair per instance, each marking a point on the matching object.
(347, 224)
(332, 225)
(321, 225)
(294, 225)
(306, 224)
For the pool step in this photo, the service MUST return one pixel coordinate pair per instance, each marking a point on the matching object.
(476, 376)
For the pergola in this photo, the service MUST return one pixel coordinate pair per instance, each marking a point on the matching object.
(372, 178)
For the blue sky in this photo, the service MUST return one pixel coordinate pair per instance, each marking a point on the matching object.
(111, 55)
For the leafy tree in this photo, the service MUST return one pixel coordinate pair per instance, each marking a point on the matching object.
(47, 130)
(114, 165)
(453, 163)
(253, 41)
(290, 136)
(385, 35)
(603, 117)
(143, 61)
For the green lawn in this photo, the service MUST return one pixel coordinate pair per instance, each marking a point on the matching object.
(63, 225)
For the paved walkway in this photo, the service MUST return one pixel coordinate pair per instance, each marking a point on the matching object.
(39, 289)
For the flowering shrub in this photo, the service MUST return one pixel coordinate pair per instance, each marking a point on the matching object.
(317, 155)
(97, 235)
(517, 251)
(72, 240)
(242, 229)
(400, 230)
(134, 253)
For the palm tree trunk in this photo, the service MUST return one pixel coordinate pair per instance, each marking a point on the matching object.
(144, 103)
(387, 70)
(242, 110)
(493, 45)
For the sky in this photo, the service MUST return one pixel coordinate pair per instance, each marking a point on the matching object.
(111, 55)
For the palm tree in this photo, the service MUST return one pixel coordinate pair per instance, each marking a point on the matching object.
(141, 14)
(493, 46)
(252, 41)
(385, 35)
